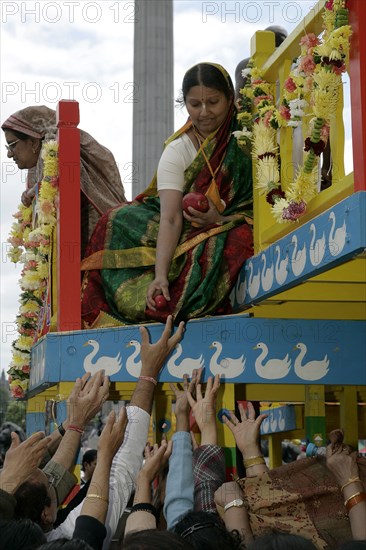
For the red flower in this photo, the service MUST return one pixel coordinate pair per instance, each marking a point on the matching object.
(274, 195)
(329, 5)
(318, 147)
(17, 392)
(309, 40)
(285, 112)
(289, 85)
(307, 64)
(294, 211)
(267, 117)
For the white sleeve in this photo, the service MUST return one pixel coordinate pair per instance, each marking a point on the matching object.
(171, 168)
(126, 465)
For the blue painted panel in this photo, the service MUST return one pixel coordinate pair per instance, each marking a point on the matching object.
(280, 419)
(331, 238)
(240, 348)
(35, 422)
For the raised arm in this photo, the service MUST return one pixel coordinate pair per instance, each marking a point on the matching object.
(171, 221)
(84, 402)
(180, 484)
(341, 461)
(89, 525)
(246, 433)
(143, 514)
(21, 460)
(153, 357)
(208, 458)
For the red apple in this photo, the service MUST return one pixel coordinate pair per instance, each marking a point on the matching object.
(160, 302)
(198, 201)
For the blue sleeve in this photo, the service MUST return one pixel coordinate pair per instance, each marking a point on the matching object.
(179, 485)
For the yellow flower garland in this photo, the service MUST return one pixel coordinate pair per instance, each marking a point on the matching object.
(32, 245)
(315, 81)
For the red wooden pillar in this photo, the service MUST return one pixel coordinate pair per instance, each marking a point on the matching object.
(357, 72)
(68, 223)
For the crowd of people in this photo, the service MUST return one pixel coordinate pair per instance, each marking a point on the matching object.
(178, 492)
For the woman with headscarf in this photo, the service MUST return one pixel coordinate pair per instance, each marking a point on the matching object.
(100, 181)
(150, 248)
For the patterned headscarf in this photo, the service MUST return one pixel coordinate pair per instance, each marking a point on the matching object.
(100, 179)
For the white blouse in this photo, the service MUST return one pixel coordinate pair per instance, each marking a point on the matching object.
(176, 158)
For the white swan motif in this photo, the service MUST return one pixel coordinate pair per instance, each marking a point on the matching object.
(228, 366)
(273, 369)
(240, 291)
(337, 239)
(267, 274)
(281, 420)
(281, 268)
(134, 367)
(265, 425)
(254, 282)
(186, 366)
(298, 258)
(312, 370)
(110, 365)
(272, 421)
(317, 248)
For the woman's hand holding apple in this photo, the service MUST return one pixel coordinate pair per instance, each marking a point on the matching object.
(199, 215)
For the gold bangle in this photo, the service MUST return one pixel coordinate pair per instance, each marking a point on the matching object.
(253, 461)
(355, 499)
(351, 480)
(94, 495)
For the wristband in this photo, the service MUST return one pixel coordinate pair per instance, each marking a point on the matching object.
(237, 503)
(94, 495)
(74, 428)
(145, 507)
(355, 499)
(149, 379)
(253, 461)
(61, 429)
(351, 480)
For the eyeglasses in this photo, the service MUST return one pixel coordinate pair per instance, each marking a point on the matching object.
(10, 146)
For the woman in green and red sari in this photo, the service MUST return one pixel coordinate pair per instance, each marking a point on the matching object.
(151, 247)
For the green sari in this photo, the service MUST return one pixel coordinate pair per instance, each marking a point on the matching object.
(121, 254)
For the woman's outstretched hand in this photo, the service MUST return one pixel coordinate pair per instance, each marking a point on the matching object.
(159, 286)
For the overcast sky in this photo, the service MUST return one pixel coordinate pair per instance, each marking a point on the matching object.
(84, 50)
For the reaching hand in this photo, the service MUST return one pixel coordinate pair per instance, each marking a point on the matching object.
(87, 398)
(22, 459)
(156, 458)
(341, 461)
(204, 410)
(112, 435)
(246, 432)
(182, 406)
(153, 356)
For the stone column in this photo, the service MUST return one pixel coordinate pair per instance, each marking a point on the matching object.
(153, 109)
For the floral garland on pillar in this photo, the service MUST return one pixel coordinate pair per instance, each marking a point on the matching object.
(32, 246)
(313, 85)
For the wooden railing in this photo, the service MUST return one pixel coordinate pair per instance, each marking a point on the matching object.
(276, 65)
